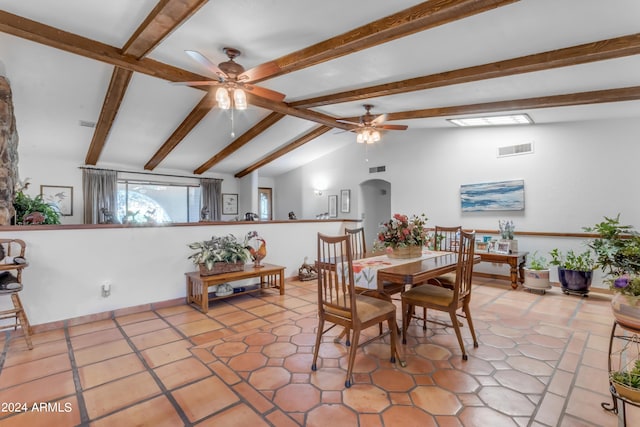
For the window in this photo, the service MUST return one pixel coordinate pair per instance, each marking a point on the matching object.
(264, 203)
(146, 202)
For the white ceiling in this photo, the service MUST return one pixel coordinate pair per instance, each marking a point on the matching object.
(53, 90)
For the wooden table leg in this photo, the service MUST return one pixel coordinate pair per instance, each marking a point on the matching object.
(513, 263)
(521, 269)
(281, 273)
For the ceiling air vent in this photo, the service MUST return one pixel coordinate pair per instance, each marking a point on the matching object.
(377, 169)
(87, 124)
(515, 150)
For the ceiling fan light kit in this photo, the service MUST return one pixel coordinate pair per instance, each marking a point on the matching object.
(369, 125)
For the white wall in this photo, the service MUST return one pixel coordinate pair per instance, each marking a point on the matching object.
(579, 173)
(143, 264)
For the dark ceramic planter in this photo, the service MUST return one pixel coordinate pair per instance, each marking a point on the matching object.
(574, 281)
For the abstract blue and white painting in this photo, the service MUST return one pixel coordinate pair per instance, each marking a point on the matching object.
(493, 196)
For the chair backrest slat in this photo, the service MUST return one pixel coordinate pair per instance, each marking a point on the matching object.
(446, 238)
(357, 241)
(335, 276)
(464, 269)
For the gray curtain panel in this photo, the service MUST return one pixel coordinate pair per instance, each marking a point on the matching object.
(211, 197)
(100, 191)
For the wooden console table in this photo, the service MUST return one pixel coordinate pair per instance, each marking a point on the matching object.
(516, 261)
(271, 276)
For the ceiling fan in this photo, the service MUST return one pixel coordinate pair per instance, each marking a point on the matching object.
(232, 78)
(370, 125)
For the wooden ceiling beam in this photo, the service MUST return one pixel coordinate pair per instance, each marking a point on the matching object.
(115, 94)
(418, 18)
(163, 19)
(240, 142)
(581, 54)
(197, 114)
(69, 42)
(301, 113)
(313, 134)
(565, 100)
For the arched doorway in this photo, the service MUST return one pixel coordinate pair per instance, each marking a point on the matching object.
(376, 203)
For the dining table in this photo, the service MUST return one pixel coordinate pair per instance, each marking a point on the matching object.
(419, 271)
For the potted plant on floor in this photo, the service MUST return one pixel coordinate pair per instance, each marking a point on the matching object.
(219, 255)
(536, 273)
(575, 270)
(617, 252)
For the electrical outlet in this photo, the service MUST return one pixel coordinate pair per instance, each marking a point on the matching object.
(106, 289)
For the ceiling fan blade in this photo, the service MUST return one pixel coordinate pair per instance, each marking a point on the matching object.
(265, 93)
(200, 83)
(379, 120)
(347, 122)
(260, 72)
(394, 127)
(203, 60)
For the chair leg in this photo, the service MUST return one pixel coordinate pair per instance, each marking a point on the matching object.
(395, 347)
(467, 313)
(406, 318)
(345, 332)
(316, 349)
(456, 327)
(352, 356)
(22, 318)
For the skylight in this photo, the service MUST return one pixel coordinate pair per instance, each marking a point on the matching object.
(511, 119)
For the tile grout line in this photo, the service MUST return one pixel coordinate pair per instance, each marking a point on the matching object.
(82, 407)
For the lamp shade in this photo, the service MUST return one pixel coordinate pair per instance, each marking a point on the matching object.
(239, 99)
(222, 98)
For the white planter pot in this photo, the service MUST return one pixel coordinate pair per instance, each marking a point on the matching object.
(536, 279)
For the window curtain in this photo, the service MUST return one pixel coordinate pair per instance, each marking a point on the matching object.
(211, 197)
(100, 191)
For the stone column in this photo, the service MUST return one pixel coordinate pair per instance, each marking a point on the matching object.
(8, 153)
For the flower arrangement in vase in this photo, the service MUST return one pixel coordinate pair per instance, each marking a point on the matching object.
(403, 236)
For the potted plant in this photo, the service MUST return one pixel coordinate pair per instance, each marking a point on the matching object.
(536, 273)
(34, 210)
(617, 252)
(403, 236)
(507, 228)
(219, 255)
(626, 381)
(575, 270)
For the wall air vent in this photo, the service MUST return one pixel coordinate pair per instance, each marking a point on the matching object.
(377, 169)
(515, 150)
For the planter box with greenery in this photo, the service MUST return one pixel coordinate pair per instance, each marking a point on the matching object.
(219, 255)
(536, 273)
(575, 271)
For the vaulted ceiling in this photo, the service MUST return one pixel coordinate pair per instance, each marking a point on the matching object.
(116, 63)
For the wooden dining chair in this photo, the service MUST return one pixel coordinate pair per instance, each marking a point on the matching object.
(11, 285)
(444, 299)
(338, 302)
(358, 245)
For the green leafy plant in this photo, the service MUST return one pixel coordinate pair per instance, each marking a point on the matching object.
(537, 262)
(219, 249)
(618, 247)
(630, 378)
(25, 205)
(573, 261)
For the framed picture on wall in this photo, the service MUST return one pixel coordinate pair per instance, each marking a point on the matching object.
(59, 196)
(333, 206)
(345, 201)
(229, 204)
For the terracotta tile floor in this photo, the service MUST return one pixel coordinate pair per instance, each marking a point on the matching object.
(542, 361)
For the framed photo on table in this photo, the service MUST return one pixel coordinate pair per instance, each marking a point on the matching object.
(333, 206)
(502, 247)
(59, 196)
(345, 201)
(229, 204)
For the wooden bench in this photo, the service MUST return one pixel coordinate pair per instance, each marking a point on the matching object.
(271, 276)
(516, 261)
